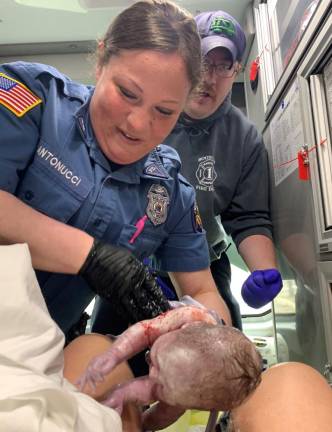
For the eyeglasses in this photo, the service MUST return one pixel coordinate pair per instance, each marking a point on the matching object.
(222, 70)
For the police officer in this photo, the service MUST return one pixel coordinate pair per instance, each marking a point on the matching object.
(83, 180)
(224, 158)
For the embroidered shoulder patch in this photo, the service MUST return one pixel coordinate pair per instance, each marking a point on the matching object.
(196, 219)
(16, 96)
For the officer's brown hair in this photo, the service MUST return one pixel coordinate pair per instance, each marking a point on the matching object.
(158, 25)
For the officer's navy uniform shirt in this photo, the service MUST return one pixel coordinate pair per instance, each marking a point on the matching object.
(224, 158)
(50, 160)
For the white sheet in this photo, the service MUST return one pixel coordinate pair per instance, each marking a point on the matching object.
(34, 396)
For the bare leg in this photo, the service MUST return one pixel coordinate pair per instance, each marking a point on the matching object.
(292, 397)
(78, 354)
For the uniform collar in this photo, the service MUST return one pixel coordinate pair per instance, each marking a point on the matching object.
(84, 126)
(150, 167)
(83, 122)
(153, 167)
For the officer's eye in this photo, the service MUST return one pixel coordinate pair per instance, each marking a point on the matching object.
(165, 111)
(128, 94)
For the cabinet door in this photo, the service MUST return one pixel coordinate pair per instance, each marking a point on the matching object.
(321, 92)
(325, 274)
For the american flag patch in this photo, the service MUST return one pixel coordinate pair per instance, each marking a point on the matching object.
(16, 96)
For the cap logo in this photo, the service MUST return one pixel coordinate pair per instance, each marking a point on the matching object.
(223, 25)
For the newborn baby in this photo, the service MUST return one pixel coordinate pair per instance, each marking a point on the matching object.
(195, 363)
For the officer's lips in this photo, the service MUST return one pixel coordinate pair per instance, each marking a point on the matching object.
(127, 136)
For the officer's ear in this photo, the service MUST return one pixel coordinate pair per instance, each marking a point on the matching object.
(100, 49)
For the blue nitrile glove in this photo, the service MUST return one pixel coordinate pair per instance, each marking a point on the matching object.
(261, 287)
(168, 292)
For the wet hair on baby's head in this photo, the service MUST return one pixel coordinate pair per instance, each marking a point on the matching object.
(157, 25)
(220, 367)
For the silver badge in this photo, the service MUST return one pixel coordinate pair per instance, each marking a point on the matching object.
(157, 205)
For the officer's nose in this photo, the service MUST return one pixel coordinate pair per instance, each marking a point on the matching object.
(139, 120)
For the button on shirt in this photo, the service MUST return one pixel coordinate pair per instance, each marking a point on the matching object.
(50, 160)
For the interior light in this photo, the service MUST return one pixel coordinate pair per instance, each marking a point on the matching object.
(64, 5)
(98, 4)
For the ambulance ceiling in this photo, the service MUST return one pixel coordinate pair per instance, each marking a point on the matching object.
(70, 25)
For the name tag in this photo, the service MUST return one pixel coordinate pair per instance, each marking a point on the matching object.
(57, 165)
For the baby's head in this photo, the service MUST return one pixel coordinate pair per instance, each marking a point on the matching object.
(204, 366)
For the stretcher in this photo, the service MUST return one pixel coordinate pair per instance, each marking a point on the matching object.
(191, 421)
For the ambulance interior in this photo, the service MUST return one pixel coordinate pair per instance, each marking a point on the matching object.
(291, 106)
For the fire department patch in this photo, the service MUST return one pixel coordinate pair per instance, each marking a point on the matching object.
(197, 221)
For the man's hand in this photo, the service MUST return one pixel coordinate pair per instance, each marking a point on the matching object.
(261, 287)
(118, 276)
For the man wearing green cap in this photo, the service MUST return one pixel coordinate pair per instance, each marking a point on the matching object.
(224, 158)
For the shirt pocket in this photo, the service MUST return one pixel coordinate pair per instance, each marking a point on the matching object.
(52, 193)
(146, 243)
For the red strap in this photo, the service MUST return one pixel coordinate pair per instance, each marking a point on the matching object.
(254, 69)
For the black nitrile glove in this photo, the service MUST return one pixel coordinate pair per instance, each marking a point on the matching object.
(118, 276)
